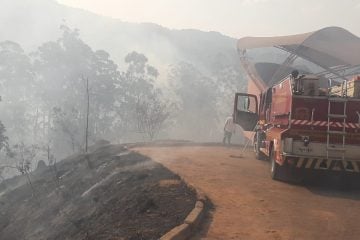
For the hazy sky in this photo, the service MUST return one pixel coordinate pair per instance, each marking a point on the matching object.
(236, 18)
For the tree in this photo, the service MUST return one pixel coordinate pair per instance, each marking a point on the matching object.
(15, 72)
(24, 156)
(151, 115)
(16, 84)
(61, 67)
(47, 99)
(229, 80)
(4, 145)
(87, 115)
(139, 76)
(67, 123)
(196, 95)
(143, 98)
(3, 138)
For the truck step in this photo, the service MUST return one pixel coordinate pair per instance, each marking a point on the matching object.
(336, 116)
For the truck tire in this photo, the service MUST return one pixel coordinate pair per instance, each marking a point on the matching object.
(277, 172)
(257, 143)
(283, 172)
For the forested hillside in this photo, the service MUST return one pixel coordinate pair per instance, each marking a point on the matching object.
(67, 75)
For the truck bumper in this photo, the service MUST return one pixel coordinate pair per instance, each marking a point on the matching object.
(321, 163)
(321, 156)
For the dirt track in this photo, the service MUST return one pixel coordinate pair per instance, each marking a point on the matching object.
(249, 205)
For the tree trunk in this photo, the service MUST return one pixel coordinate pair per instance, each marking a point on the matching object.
(87, 115)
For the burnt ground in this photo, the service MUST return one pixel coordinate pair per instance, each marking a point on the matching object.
(111, 193)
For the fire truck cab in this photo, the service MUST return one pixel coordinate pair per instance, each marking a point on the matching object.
(302, 124)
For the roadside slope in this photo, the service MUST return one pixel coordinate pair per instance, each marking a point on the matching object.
(111, 193)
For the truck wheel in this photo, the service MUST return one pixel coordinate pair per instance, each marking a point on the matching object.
(276, 171)
(257, 143)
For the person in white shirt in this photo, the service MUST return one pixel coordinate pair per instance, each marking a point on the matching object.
(229, 129)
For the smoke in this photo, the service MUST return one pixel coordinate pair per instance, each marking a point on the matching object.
(200, 94)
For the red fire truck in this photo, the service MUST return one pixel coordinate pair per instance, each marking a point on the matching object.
(299, 125)
(303, 122)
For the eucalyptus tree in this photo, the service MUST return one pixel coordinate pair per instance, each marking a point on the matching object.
(16, 88)
(196, 99)
(62, 67)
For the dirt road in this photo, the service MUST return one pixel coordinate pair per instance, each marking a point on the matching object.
(249, 205)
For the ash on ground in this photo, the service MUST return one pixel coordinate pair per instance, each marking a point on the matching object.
(111, 193)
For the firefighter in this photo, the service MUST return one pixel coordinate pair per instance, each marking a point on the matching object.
(229, 129)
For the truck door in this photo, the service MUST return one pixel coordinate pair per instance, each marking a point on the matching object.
(246, 111)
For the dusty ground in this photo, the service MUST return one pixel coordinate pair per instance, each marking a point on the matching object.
(112, 194)
(249, 205)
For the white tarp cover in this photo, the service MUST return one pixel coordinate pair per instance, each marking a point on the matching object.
(329, 47)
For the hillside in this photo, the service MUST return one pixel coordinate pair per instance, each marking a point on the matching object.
(111, 193)
(196, 74)
(32, 22)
